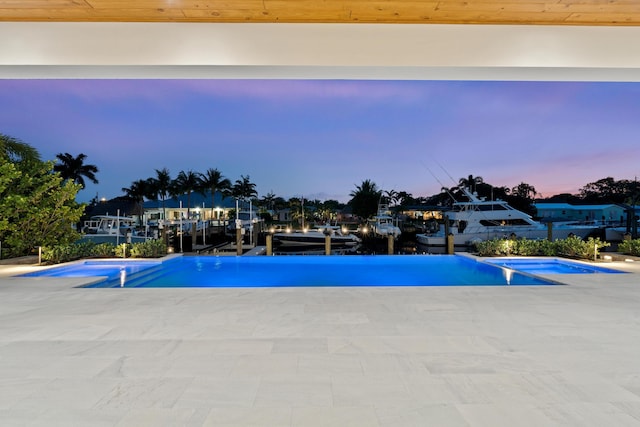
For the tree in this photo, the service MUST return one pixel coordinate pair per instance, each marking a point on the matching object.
(15, 151)
(268, 200)
(392, 197)
(605, 190)
(161, 187)
(73, 169)
(187, 183)
(328, 210)
(520, 197)
(364, 199)
(243, 188)
(213, 181)
(138, 191)
(405, 198)
(299, 210)
(37, 208)
(470, 182)
(524, 190)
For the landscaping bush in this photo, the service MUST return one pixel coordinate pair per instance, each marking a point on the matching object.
(149, 249)
(571, 247)
(630, 247)
(66, 253)
(104, 250)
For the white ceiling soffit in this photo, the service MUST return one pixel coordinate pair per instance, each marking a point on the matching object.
(319, 51)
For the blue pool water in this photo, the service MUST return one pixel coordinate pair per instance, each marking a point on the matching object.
(549, 266)
(289, 271)
(109, 269)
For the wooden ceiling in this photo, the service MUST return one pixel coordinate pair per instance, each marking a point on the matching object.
(540, 12)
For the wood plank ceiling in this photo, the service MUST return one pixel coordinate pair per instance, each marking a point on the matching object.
(540, 12)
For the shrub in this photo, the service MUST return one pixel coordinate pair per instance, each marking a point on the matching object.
(546, 247)
(65, 253)
(149, 249)
(104, 250)
(525, 247)
(630, 247)
(491, 247)
(572, 247)
(122, 250)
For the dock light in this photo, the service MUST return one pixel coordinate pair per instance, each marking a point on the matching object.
(170, 250)
(288, 230)
(344, 230)
(365, 230)
(304, 230)
(272, 230)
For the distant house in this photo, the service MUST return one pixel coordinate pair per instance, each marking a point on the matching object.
(199, 207)
(421, 212)
(568, 212)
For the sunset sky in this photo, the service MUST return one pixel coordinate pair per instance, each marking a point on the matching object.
(321, 138)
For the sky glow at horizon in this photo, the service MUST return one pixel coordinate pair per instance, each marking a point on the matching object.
(321, 138)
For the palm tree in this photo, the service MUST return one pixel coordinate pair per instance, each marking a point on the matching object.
(524, 190)
(138, 191)
(405, 198)
(297, 209)
(213, 181)
(161, 186)
(187, 183)
(470, 182)
(365, 198)
(74, 169)
(392, 197)
(268, 200)
(16, 151)
(243, 188)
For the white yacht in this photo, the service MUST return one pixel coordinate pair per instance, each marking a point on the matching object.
(382, 225)
(480, 219)
(316, 237)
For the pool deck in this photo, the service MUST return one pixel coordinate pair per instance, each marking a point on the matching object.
(431, 356)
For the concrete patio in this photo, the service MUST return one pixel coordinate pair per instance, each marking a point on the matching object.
(431, 356)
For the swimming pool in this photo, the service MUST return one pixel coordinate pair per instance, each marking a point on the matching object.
(549, 266)
(301, 271)
(111, 270)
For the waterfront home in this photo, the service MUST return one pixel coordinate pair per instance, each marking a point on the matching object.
(610, 213)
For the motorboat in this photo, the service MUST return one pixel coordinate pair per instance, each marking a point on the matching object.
(479, 219)
(316, 237)
(112, 229)
(383, 225)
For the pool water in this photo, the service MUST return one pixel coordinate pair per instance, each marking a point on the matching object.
(311, 271)
(549, 266)
(111, 270)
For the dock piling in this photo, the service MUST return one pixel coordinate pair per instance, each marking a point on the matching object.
(269, 241)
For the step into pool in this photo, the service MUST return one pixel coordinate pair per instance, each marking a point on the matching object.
(542, 265)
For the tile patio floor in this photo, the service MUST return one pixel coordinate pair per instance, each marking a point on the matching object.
(452, 356)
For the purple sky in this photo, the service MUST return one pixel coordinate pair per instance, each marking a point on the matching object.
(320, 139)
